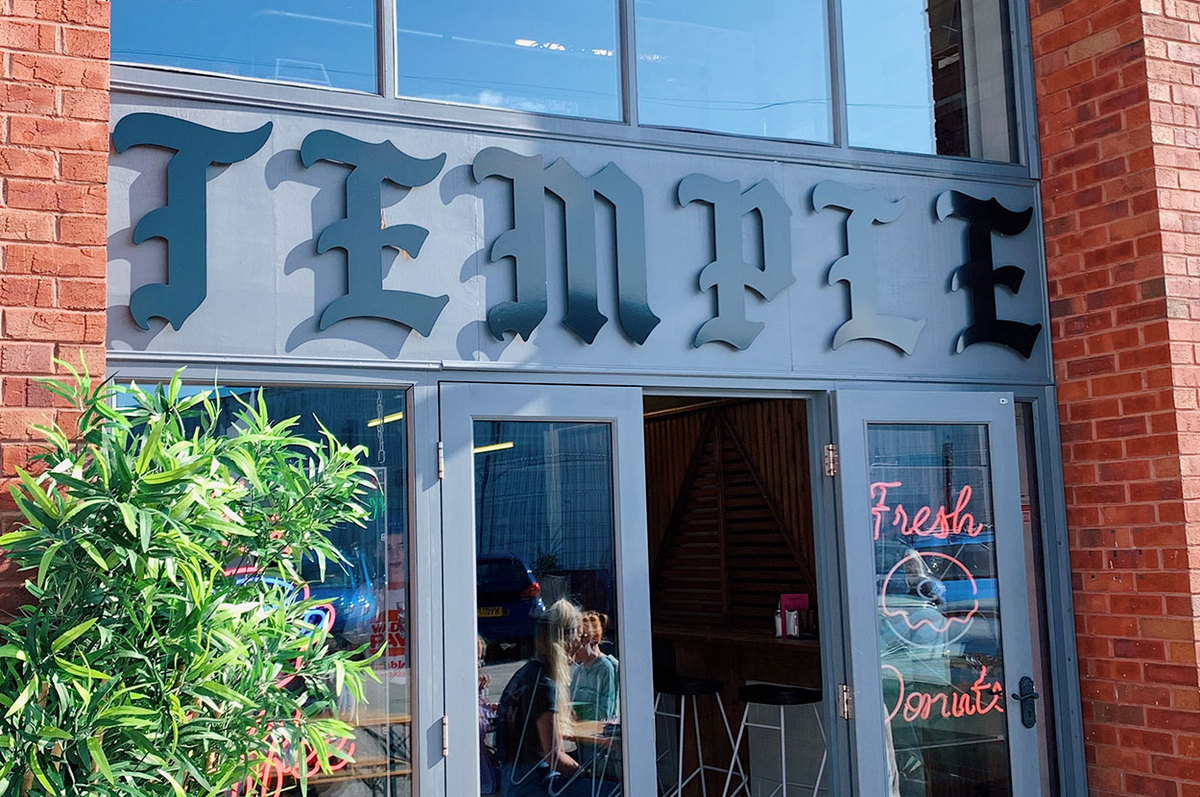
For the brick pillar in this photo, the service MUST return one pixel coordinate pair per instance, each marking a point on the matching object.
(1117, 86)
(53, 174)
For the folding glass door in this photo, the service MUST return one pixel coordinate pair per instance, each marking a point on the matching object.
(548, 685)
(937, 594)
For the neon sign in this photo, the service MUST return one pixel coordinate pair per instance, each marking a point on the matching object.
(269, 777)
(935, 621)
(983, 697)
(945, 522)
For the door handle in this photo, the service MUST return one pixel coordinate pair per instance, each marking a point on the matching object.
(1026, 697)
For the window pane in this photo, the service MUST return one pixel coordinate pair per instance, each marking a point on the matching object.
(939, 615)
(754, 68)
(322, 42)
(546, 585)
(929, 77)
(367, 595)
(543, 56)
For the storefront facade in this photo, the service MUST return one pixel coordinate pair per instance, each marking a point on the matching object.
(678, 344)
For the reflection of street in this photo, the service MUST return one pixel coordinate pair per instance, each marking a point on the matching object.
(499, 675)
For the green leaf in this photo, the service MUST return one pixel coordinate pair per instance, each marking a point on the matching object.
(223, 692)
(13, 652)
(13, 537)
(91, 551)
(149, 447)
(44, 564)
(80, 671)
(34, 490)
(129, 517)
(144, 530)
(38, 773)
(52, 732)
(70, 635)
(175, 787)
(166, 476)
(93, 746)
(22, 698)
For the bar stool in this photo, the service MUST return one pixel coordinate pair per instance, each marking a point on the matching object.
(684, 688)
(780, 696)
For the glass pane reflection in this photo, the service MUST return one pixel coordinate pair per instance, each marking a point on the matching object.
(543, 56)
(549, 686)
(367, 595)
(321, 42)
(939, 615)
(929, 77)
(755, 68)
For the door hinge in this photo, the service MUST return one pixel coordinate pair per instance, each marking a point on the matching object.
(445, 736)
(441, 461)
(831, 460)
(845, 702)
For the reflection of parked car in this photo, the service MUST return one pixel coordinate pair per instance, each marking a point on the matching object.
(352, 591)
(509, 600)
(975, 556)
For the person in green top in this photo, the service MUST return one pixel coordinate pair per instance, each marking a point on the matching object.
(594, 683)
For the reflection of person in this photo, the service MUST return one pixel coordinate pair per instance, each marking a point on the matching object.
(534, 712)
(489, 771)
(594, 681)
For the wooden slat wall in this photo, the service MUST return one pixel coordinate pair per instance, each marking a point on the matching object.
(670, 443)
(775, 434)
(737, 531)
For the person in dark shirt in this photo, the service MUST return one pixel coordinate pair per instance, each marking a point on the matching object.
(534, 713)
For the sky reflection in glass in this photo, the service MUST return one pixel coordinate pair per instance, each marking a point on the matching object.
(542, 56)
(929, 76)
(754, 68)
(327, 43)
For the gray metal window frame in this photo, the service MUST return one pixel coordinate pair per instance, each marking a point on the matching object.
(425, 507)
(385, 106)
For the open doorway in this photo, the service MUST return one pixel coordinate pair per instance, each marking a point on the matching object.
(734, 596)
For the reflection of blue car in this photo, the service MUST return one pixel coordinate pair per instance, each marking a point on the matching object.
(509, 600)
(350, 588)
(973, 555)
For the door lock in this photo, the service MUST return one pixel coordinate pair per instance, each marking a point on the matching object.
(1026, 697)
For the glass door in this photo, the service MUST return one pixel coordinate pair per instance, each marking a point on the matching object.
(548, 677)
(944, 698)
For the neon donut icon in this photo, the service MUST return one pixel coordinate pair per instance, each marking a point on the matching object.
(938, 622)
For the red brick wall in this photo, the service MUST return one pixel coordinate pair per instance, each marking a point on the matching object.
(1117, 87)
(53, 170)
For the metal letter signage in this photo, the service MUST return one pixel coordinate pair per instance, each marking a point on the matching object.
(183, 221)
(857, 267)
(728, 273)
(525, 243)
(362, 236)
(979, 278)
(728, 278)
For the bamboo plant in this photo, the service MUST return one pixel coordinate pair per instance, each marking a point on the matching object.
(139, 666)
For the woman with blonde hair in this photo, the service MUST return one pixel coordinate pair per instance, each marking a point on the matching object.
(535, 714)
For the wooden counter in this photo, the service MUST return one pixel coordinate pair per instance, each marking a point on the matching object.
(737, 657)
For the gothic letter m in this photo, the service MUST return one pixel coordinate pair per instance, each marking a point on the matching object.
(525, 243)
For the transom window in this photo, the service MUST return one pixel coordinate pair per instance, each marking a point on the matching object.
(919, 76)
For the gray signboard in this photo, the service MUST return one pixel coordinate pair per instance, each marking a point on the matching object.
(235, 231)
